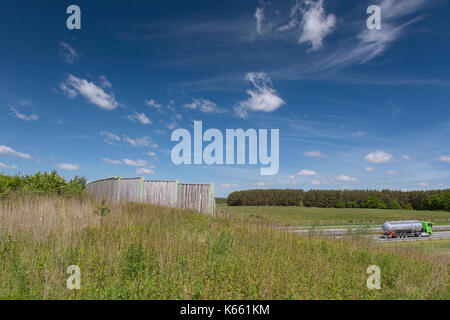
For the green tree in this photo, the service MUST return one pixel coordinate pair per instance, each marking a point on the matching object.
(394, 205)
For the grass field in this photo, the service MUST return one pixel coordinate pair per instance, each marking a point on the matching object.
(146, 252)
(441, 247)
(298, 216)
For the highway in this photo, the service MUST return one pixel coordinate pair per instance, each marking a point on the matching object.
(439, 232)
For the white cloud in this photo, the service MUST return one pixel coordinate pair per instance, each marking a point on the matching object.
(110, 161)
(306, 172)
(11, 152)
(229, 185)
(264, 98)
(423, 184)
(110, 136)
(291, 177)
(316, 182)
(358, 134)
(316, 25)
(24, 117)
(172, 125)
(370, 169)
(135, 163)
(140, 117)
(68, 53)
(345, 178)
(406, 157)
(259, 16)
(104, 82)
(150, 153)
(444, 159)
(152, 103)
(314, 153)
(204, 105)
(5, 166)
(144, 171)
(371, 43)
(392, 172)
(139, 142)
(378, 157)
(68, 166)
(74, 86)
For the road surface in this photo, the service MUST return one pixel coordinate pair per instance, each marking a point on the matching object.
(439, 232)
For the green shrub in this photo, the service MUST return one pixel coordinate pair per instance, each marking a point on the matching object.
(374, 203)
(408, 206)
(41, 183)
(339, 204)
(394, 205)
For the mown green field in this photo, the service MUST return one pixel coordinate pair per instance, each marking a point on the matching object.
(298, 216)
(136, 251)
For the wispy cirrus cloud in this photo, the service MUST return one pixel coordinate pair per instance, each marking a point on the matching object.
(73, 86)
(371, 43)
(259, 17)
(68, 53)
(104, 82)
(110, 137)
(24, 117)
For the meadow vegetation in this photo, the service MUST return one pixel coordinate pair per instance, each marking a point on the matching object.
(140, 251)
(301, 216)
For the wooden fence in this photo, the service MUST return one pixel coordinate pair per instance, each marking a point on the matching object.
(198, 197)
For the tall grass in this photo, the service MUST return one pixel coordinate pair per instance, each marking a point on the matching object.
(148, 252)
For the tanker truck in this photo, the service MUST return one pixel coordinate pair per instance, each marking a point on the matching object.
(407, 228)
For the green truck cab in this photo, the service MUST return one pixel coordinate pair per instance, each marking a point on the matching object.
(427, 227)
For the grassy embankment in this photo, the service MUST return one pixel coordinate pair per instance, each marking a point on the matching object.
(440, 247)
(147, 252)
(299, 216)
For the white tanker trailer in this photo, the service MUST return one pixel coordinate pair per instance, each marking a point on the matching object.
(407, 228)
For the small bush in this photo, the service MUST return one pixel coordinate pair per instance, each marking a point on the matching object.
(394, 205)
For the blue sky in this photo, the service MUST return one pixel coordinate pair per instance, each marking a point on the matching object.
(356, 108)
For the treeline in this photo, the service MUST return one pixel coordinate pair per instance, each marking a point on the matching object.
(385, 199)
(41, 183)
